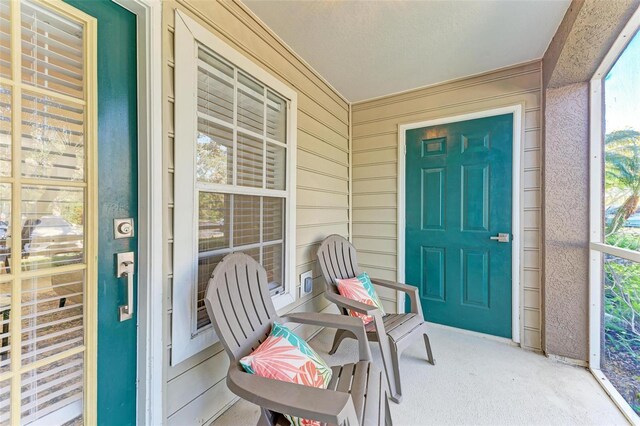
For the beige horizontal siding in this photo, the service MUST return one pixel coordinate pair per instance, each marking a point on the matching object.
(375, 140)
(196, 391)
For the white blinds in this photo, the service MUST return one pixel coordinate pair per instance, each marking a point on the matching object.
(52, 51)
(42, 263)
(238, 116)
(52, 138)
(234, 222)
(5, 40)
(5, 130)
(241, 143)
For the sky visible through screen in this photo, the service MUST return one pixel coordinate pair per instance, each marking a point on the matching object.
(622, 90)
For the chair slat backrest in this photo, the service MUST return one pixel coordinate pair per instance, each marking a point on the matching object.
(337, 258)
(239, 304)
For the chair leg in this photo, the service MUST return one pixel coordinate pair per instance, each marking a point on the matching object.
(266, 418)
(427, 344)
(388, 421)
(338, 338)
(388, 351)
(395, 362)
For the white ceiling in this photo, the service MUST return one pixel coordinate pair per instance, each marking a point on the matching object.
(367, 49)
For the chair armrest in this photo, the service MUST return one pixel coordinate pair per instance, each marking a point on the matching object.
(394, 285)
(343, 322)
(326, 406)
(353, 305)
(410, 290)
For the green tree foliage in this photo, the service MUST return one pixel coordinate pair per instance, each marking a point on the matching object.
(622, 277)
(622, 174)
(622, 300)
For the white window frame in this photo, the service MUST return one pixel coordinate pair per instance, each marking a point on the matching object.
(188, 36)
(597, 246)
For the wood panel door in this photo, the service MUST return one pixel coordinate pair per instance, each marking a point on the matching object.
(458, 200)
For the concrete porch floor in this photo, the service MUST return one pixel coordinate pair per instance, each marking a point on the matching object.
(476, 381)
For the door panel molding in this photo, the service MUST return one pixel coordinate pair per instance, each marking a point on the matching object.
(432, 274)
(433, 182)
(475, 213)
(469, 296)
(516, 255)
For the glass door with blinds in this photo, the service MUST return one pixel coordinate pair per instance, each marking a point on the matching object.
(45, 227)
(49, 220)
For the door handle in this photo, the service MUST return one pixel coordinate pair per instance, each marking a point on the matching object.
(502, 237)
(125, 270)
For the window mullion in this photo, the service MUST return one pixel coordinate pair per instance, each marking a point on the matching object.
(235, 127)
(231, 215)
(264, 138)
(264, 168)
(260, 230)
(224, 251)
(242, 190)
(275, 142)
(16, 247)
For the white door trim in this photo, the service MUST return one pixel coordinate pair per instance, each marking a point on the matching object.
(518, 136)
(149, 228)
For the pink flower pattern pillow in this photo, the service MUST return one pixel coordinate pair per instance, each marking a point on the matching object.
(360, 289)
(287, 357)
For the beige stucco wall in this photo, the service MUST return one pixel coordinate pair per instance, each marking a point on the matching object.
(375, 144)
(195, 389)
(566, 214)
(584, 37)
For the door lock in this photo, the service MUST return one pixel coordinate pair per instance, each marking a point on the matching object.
(123, 228)
(502, 237)
(125, 270)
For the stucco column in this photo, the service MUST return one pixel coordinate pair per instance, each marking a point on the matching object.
(584, 37)
(566, 213)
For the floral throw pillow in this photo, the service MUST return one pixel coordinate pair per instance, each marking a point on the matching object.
(360, 289)
(287, 357)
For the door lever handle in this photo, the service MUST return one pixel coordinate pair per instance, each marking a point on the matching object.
(125, 270)
(502, 237)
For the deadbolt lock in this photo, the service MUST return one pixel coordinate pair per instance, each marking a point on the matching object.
(123, 228)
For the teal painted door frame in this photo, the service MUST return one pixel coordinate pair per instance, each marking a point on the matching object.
(117, 198)
(516, 112)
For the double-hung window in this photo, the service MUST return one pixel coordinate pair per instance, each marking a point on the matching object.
(234, 176)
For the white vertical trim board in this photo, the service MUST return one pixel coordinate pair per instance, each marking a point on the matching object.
(518, 136)
(350, 148)
(595, 222)
(184, 343)
(149, 226)
(596, 209)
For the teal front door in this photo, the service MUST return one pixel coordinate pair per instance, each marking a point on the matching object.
(68, 169)
(117, 199)
(458, 200)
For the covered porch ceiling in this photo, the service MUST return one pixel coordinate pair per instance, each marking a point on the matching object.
(367, 49)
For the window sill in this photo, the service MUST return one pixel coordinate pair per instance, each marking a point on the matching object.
(283, 300)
